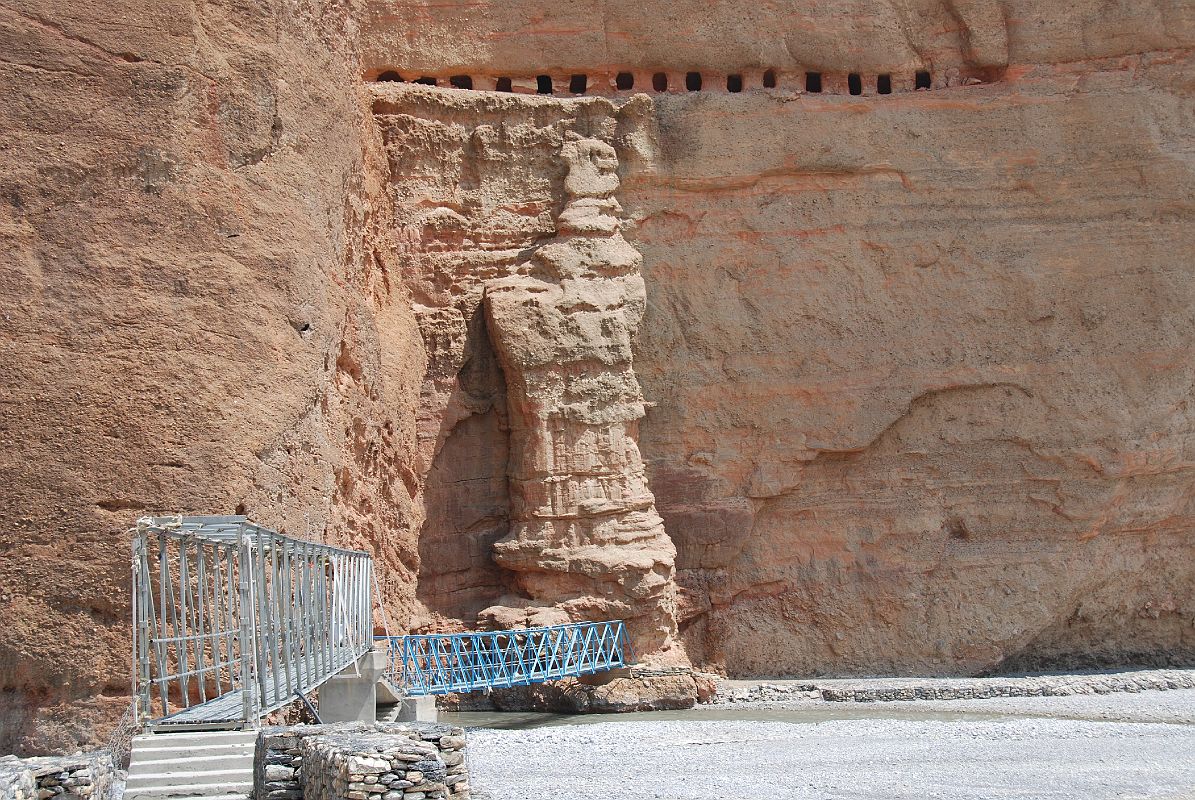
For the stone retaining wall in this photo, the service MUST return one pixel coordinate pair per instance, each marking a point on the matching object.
(354, 761)
(890, 689)
(83, 776)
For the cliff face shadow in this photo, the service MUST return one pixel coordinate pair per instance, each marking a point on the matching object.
(466, 495)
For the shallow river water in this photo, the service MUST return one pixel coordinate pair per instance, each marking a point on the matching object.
(528, 720)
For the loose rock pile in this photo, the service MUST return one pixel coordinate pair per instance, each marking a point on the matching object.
(881, 690)
(84, 776)
(350, 761)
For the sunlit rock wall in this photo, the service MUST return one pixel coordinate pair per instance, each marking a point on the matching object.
(920, 360)
(923, 372)
(199, 312)
(917, 365)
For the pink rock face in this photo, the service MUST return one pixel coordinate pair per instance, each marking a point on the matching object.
(922, 367)
(917, 360)
(916, 366)
(194, 317)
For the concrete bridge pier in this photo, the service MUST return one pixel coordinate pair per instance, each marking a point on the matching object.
(352, 694)
(361, 693)
(393, 706)
(418, 709)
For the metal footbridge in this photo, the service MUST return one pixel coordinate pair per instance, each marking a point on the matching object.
(232, 621)
(480, 661)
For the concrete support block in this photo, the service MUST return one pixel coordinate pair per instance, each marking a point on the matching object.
(351, 695)
(418, 709)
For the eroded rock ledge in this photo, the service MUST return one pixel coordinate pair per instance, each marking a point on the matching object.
(585, 540)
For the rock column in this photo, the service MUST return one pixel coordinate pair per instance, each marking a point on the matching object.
(585, 540)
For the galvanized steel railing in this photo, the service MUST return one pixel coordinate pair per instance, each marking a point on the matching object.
(232, 620)
(467, 662)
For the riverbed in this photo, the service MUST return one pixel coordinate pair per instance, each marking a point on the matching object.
(1083, 747)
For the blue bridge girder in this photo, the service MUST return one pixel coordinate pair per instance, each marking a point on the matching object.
(445, 663)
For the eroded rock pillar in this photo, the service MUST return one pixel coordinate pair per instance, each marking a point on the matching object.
(585, 540)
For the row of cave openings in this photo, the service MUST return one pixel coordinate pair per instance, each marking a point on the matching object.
(811, 82)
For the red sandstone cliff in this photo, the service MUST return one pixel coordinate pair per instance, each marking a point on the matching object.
(199, 312)
(919, 364)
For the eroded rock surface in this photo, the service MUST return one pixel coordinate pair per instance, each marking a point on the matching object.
(921, 363)
(528, 233)
(922, 367)
(199, 313)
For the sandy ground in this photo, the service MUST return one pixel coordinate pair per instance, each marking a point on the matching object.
(1126, 746)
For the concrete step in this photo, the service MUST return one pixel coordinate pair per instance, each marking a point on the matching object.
(195, 765)
(205, 761)
(184, 776)
(193, 738)
(192, 791)
(245, 795)
(238, 796)
(201, 751)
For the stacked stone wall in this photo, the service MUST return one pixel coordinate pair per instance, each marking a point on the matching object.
(872, 690)
(351, 761)
(84, 776)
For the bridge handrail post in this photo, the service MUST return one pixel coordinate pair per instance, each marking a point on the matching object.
(140, 674)
(248, 628)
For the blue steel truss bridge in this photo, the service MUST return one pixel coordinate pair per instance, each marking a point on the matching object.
(232, 621)
(479, 661)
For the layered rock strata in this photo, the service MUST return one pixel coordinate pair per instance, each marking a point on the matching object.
(477, 186)
(890, 364)
(529, 298)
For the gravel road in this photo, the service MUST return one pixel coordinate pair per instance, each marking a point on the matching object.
(1131, 746)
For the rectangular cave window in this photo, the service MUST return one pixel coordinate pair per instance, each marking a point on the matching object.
(693, 81)
(426, 80)
(624, 81)
(461, 81)
(734, 83)
(813, 82)
(390, 76)
(577, 84)
(503, 85)
(854, 83)
(659, 82)
(884, 84)
(923, 80)
(769, 79)
(543, 84)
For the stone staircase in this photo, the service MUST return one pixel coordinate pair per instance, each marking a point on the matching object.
(211, 765)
